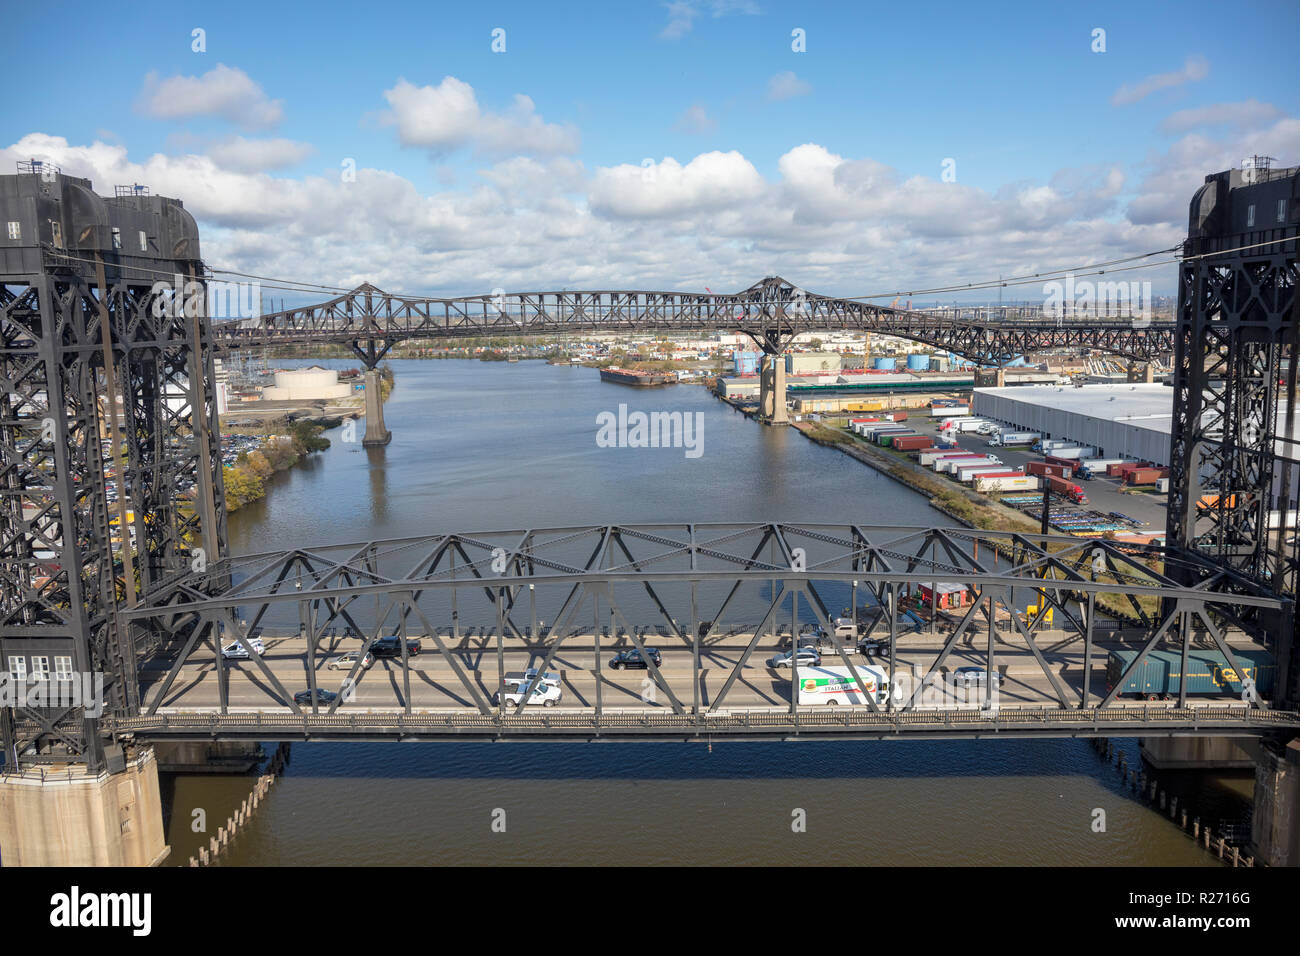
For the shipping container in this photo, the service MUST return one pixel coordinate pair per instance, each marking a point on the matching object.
(1006, 483)
(928, 458)
(1073, 452)
(1117, 470)
(967, 475)
(912, 443)
(888, 438)
(1069, 464)
(1208, 672)
(1145, 476)
(1047, 469)
(948, 411)
(953, 465)
(1095, 467)
(1068, 489)
(948, 462)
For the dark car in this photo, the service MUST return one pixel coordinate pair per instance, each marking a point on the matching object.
(323, 696)
(390, 647)
(632, 658)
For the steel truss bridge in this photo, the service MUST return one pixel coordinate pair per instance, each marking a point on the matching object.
(771, 312)
(107, 411)
(585, 580)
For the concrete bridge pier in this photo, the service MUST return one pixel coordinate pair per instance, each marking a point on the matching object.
(1275, 822)
(376, 433)
(60, 815)
(771, 390)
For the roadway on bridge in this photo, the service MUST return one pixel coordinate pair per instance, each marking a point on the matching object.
(434, 684)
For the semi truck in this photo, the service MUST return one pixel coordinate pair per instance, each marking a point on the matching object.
(1208, 673)
(1006, 437)
(831, 685)
(1095, 467)
(1067, 489)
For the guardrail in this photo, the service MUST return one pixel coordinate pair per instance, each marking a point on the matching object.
(1108, 721)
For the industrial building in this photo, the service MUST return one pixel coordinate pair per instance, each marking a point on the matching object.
(1128, 421)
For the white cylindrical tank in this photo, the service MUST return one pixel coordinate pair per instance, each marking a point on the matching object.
(306, 384)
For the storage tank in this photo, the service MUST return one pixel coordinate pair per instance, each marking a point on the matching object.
(306, 384)
(918, 363)
(884, 364)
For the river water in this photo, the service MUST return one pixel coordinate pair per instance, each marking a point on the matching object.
(485, 446)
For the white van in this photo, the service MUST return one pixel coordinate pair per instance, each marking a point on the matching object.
(546, 691)
(830, 686)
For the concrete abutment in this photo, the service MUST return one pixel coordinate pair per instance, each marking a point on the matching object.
(64, 816)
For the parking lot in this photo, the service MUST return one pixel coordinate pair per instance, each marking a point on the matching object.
(1104, 494)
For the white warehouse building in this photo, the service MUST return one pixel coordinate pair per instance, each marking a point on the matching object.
(1120, 421)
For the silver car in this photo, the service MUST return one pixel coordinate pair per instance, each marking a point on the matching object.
(345, 661)
(808, 657)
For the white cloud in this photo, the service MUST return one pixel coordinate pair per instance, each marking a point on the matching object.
(786, 85)
(223, 91)
(1247, 114)
(254, 155)
(682, 14)
(652, 190)
(1196, 68)
(832, 223)
(447, 116)
(697, 120)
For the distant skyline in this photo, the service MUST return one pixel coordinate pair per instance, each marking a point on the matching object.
(456, 149)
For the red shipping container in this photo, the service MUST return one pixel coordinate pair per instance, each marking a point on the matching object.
(898, 416)
(1047, 470)
(1145, 476)
(912, 442)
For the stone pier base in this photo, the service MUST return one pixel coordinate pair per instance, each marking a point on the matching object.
(1275, 822)
(771, 395)
(376, 433)
(62, 816)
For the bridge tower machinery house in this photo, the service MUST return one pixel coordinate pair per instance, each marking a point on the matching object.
(110, 462)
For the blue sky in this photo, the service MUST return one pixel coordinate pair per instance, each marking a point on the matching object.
(1054, 161)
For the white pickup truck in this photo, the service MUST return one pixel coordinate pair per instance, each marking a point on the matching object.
(546, 691)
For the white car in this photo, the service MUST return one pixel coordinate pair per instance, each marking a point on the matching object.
(235, 651)
(545, 691)
(345, 661)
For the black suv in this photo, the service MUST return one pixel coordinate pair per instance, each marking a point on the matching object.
(389, 647)
(632, 658)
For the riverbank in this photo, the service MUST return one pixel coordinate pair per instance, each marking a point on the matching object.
(246, 479)
(964, 506)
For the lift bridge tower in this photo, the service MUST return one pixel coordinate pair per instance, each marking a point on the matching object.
(1235, 455)
(110, 465)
